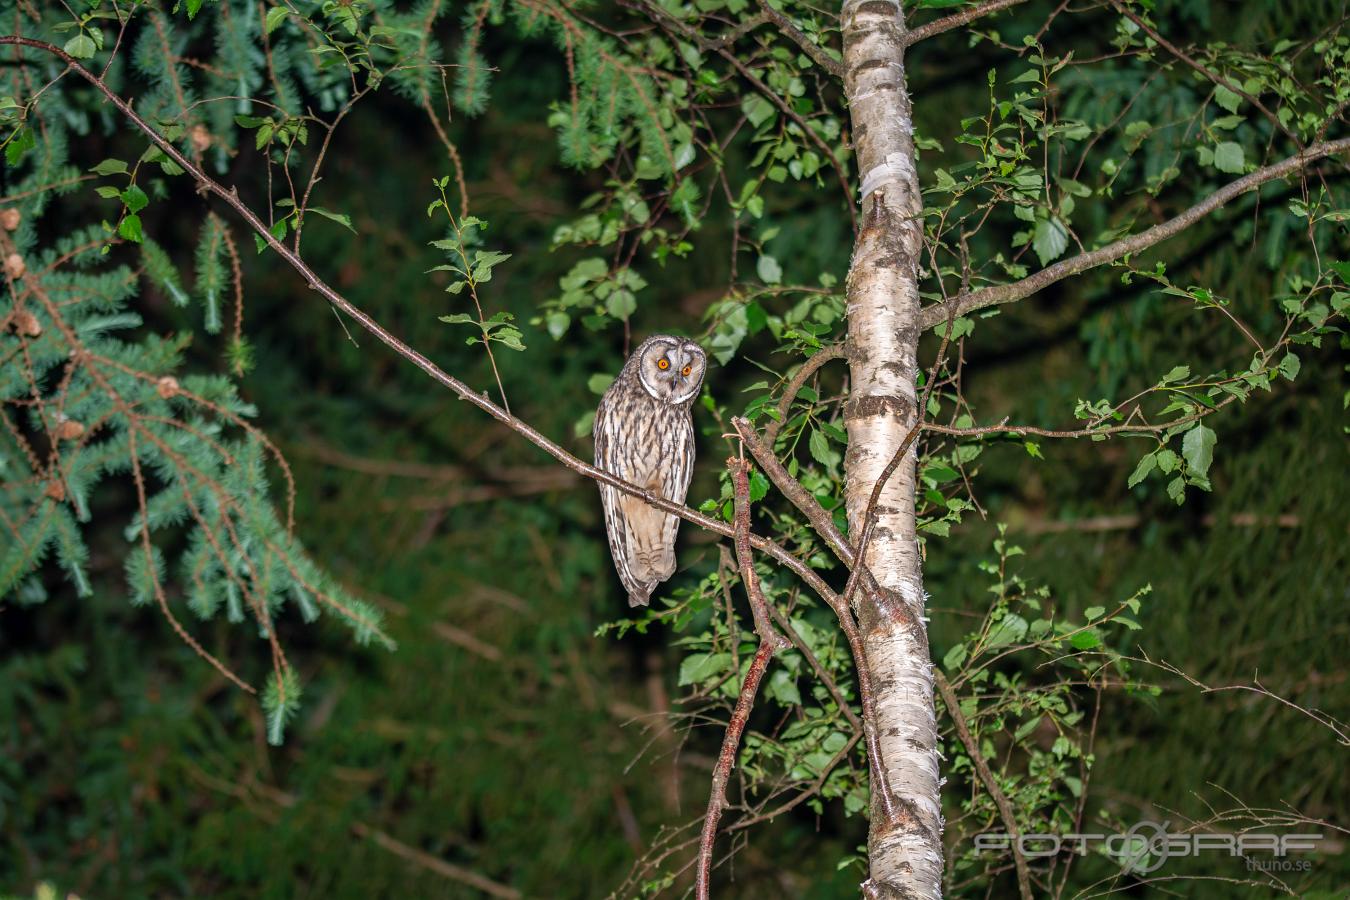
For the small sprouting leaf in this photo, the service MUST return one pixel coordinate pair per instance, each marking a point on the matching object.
(459, 319)
(1198, 448)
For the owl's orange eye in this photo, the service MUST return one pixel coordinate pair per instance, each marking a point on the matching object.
(686, 370)
(663, 364)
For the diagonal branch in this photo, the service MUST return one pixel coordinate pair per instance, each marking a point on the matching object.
(956, 20)
(970, 301)
(799, 37)
(231, 197)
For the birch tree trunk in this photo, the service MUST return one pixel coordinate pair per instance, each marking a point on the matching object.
(904, 840)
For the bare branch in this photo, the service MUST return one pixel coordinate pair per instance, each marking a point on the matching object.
(970, 301)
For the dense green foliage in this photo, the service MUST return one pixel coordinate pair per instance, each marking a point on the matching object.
(193, 446)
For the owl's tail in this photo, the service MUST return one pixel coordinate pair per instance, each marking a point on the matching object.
(641, 595)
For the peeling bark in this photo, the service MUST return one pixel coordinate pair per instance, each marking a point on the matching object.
(904, 843)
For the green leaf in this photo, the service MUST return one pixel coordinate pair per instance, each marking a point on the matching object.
(759, 486)
(599, 383)
(19, 144)
(110, 167)
(135, 199)
(621, 304)
(1228, 99)
(1085, 640)
(819, 446)
(757, 109)
(275, 16)
(1141, 471)
(1050, 240)
(1198, 448)
(340, 218)
(459, 319)
(1006, 630)
(1229, 157)
(955, 656)
(81, 46)
(768, 270)
(130, 228)
(1289, 366)
(698, 667)
(1094, 612)
(1177, 373)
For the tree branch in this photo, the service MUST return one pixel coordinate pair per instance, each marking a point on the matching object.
(231, 198)
(770, 642)
(1005, 812)
(970, 301)
(798, 37)
(809, 368)
(956, 20)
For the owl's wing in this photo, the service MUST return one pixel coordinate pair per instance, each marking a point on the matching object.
(676, 472)
(619, 525)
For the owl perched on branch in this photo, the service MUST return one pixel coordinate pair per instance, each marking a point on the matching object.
(644, 433)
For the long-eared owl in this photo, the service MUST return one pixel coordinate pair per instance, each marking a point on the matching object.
(644, 433)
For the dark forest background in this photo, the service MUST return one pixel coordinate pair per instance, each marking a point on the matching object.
(503, 733)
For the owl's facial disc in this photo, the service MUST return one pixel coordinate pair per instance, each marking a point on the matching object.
(671, 369)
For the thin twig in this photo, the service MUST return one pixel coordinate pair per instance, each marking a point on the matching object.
(1005, 811)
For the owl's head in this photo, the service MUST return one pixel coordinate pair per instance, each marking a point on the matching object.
(670, 368)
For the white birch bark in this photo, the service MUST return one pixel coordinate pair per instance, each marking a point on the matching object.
(904, 847)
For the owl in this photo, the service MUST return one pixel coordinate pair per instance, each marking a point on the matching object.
(644, 433)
